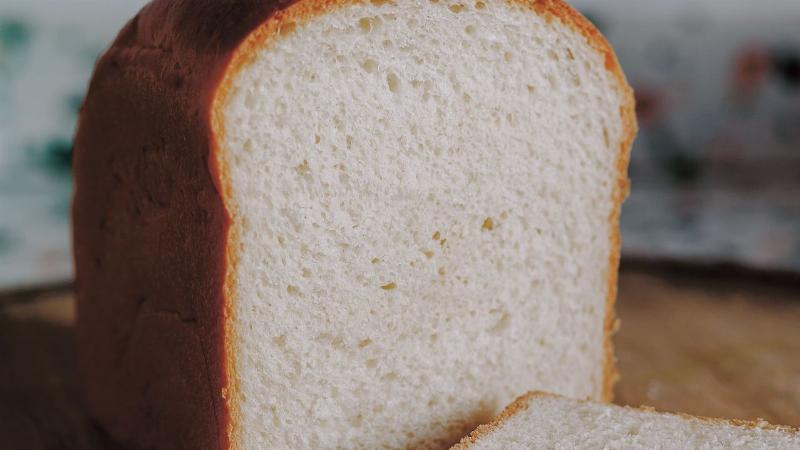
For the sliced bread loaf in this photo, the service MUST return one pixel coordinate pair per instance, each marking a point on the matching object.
(538, 421)
(346, 224)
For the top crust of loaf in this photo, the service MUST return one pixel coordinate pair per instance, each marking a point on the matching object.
(284, 22)
(523, 402)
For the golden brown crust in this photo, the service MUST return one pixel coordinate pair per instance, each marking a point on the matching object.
(759, 424)
(523, 402)
(160, 85)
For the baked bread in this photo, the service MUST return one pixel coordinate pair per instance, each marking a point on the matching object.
(540, 420)
(322, 224)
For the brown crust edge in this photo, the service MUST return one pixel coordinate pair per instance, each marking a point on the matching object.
(522, 403)
(283, 21)
(219, 173)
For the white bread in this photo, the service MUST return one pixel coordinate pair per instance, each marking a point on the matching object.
(346, 225)
(544, 421)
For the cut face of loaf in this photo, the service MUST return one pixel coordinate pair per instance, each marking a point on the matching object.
(421, 195)
(538, 420)
(410, 217)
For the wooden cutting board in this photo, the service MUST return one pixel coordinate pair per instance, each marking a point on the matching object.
(713, 346)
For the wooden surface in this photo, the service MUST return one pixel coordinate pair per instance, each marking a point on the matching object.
(715, 347)
(721, 348)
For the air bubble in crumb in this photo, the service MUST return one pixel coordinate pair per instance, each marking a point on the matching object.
(441, 271)
(437, 236)
(317, 139)
(306, 273)
(303, 168)
(391, 376)
(369, 65)
(372, 363)
(488, 224)
(507, 56)
(292, 290)
(428, 254)
(375, 261)
(389, 286)
(480, 5)
(365, 23)
(470, 29)
(364, 342)
(393, 82)
(457, 8)
(357, 421)
(501, 325)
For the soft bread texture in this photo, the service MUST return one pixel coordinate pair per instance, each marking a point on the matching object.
(539, 420)
(346, 225)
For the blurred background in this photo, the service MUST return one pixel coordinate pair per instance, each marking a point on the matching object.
(715, 169)
(710, 283)
(47, 53)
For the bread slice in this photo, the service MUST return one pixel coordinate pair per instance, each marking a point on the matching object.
(538, 420)
(346, 224)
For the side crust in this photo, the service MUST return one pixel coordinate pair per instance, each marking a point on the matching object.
(522, 403)
(283, 22)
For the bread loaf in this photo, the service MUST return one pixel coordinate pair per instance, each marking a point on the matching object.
(538, 420)
(322, 224)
